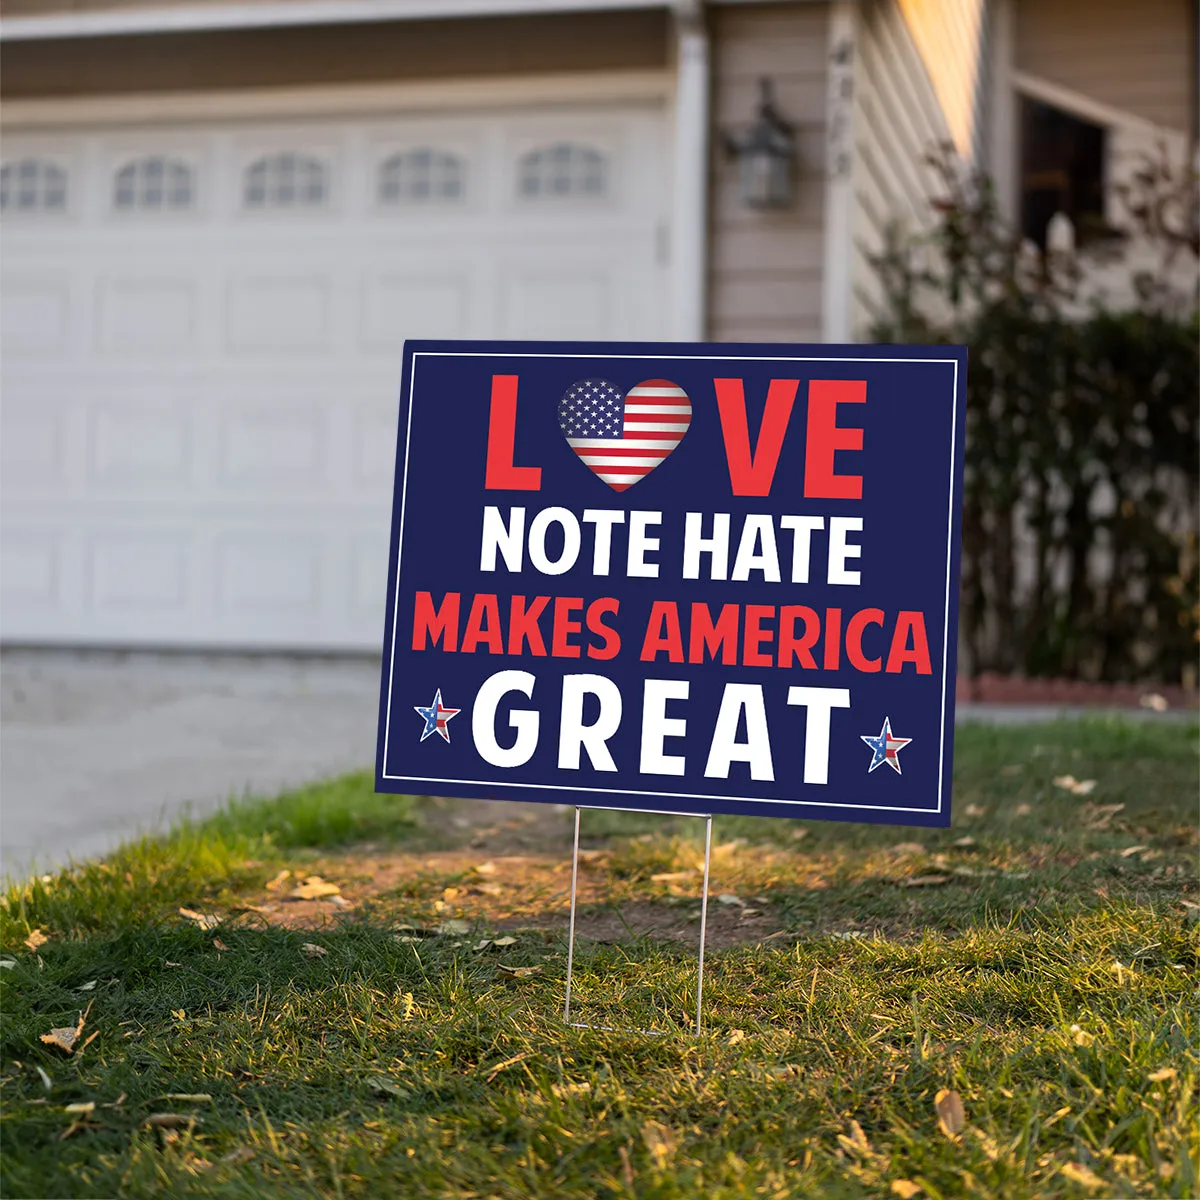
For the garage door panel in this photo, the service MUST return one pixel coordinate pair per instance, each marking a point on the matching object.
(425, 304)
(138, 571)
(32, 450)
(269, 313)
(34, 316)
(274, 446)
(140, 447)
(147, 316)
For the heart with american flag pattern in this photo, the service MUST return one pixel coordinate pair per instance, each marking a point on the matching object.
(622, 438)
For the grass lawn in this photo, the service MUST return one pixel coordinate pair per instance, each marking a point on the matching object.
(1003, 1009)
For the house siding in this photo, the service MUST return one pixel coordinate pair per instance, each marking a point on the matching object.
(949, 35)
(356, 53)
(765, 268)
(1135, 55)
(897, 120)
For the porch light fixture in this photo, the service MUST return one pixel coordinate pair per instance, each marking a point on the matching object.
(766, 155)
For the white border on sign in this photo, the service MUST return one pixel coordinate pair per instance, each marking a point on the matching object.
(628, 791)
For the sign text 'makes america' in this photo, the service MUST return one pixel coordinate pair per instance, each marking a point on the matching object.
(687, 578)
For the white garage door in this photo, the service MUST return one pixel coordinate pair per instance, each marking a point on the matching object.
(202, 331)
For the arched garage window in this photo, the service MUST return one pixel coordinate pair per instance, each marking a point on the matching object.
(419, 176)
(286, 180)
(154, 184)
(32, 185)
(563, 169)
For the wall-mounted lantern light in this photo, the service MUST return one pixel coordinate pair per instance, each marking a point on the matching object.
(766, 156)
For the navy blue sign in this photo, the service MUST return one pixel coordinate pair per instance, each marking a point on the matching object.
(688, 578)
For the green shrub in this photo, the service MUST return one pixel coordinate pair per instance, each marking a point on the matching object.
(1080, 540)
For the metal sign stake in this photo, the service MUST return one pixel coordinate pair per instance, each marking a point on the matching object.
(703, 914)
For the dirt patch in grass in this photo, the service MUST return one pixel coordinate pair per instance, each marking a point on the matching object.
(509, 892)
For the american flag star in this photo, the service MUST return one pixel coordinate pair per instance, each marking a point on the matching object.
(436, 717)
(622, 438)
(885, 748)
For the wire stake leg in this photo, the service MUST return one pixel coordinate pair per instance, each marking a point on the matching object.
(571, 935)
(703, 919)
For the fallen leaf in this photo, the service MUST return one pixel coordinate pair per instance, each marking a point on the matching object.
(965, 842)
(1078, 1173)
(312, 950)
(405, 937)
(313, 888)
(66, 1038)
(381, 1083)
(483, 945)
(904, 849)
(7, 964)
(273, 885)
(1130, 850)
(1162, 1075)
(519, 972)
(84, 1107)
(1154, 701)
(671, 876)
(736, 1036)
(563, 1090)
(857, 1142)
(504, 941)
(204, 920)
(340, 901)
(1098, 816)
(925, 881)
(785, 1071)
(1023, 810)
(1077, 787)
(171, 1120)
(728, 898)
(243, 1154)
(453, 926)
(951, 1117)
(220, 945)
(1081, 1037)
(797, 834)
(74, 1128)
(488, 889)
(660, 1141)
(487, 868)
(905, 1188)
(451, 893)
(988, 1144)
(189, 1097)
(975, 810)
(508, 1062)
(35, 939)
(87, 987)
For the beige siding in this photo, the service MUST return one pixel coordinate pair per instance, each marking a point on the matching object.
(949, 36)
(1135, 55)
(897, 120)
(765, 268)
(292, 57)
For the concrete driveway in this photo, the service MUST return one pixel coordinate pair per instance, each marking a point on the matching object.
(96, 747)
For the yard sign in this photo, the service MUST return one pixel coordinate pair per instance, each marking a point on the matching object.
(687, 578)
